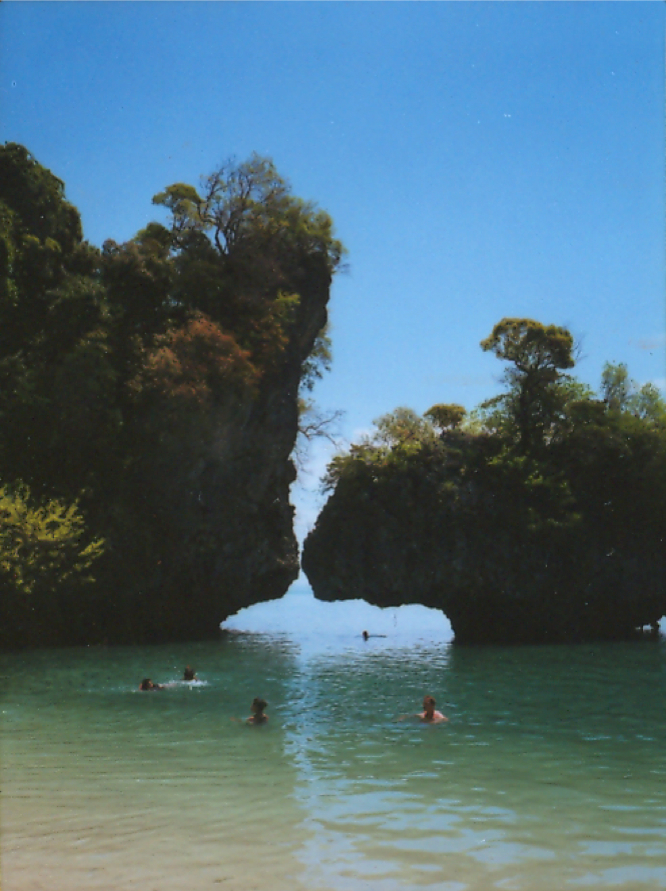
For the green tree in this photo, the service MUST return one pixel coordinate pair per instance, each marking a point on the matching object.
(242, 248)
(52, 323)
(446, 416)
(616, 386)
(46, 557)
(621, 393)
(38, 198)
(249, 203)
(40, 246)
(42, 546)
(538, 355)
(403, 428)
(648, 403)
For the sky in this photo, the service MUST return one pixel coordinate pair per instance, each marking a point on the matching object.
(479, 160)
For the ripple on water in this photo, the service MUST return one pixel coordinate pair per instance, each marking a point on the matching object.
(549, 773)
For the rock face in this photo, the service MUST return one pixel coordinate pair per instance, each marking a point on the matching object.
(467, 540)
(150, 404)
(213, 500)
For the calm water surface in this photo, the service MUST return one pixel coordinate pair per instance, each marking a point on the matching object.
(549, 775)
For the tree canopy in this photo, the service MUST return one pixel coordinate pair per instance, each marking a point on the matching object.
(447, 416)
(538, 354)
(622, 394)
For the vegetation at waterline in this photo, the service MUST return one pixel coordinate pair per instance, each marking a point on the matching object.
(537, 517)
(149, 403)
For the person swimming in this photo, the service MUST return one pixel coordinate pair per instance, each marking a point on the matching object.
(429, 715)
(257, 709)
(189, 674)
(147, 684)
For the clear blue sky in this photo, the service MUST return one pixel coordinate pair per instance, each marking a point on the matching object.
(480, 160)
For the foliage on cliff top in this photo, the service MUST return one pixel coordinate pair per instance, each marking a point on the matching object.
(249, 206)
(42, 546)
(539, 516)
(128, 372)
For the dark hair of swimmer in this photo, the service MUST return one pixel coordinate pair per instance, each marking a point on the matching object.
(189, 674)
(257, 708)
(146, 684)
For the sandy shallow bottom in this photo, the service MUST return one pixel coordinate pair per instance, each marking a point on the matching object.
(549, 776)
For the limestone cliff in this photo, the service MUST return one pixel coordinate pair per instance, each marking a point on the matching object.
(150, 404)
(509, 555)
(211, 504)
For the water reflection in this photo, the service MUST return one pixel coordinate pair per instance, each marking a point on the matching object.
(549, 771)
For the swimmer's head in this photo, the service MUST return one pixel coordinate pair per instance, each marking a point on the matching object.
(258, 705)
(146, 684)
(428, 702)
(189, 674)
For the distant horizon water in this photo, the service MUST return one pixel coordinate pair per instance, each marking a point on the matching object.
(322, 624)
(318, 623)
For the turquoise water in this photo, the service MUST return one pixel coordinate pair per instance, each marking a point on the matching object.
(549, 775)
